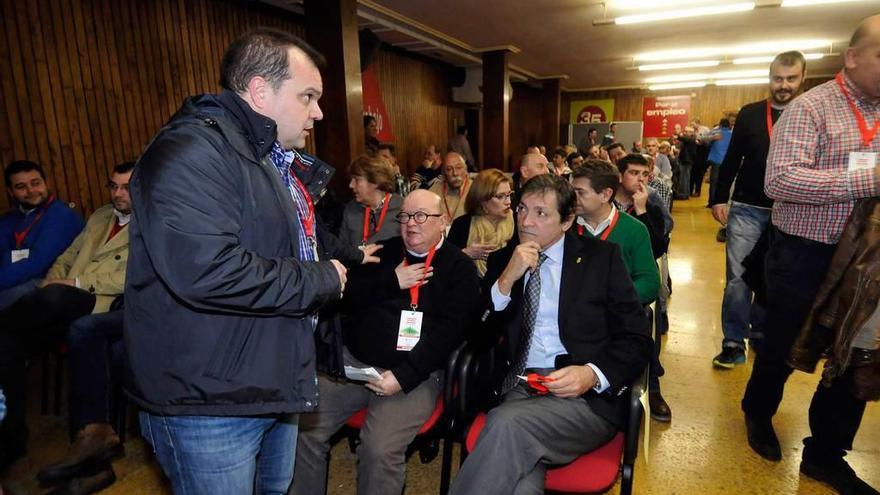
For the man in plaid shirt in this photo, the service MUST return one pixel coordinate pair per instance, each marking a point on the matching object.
(823, 157)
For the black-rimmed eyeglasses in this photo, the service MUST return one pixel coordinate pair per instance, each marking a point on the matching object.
(419, 216)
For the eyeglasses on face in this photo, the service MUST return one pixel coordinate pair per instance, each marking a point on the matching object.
(420, 217)
(503, 196)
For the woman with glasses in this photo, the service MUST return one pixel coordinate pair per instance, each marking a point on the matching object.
(369, 217)
(488, 223)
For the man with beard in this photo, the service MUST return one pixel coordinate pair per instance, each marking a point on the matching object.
(34, 232)
(749, 214)
(454, 186)
(84, 280)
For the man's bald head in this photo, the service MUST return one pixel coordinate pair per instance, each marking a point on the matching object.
(862, 58)
(420, 237)
(531, 165)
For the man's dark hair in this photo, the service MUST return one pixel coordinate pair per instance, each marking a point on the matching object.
(262, 52)
(601, 174)
(461, 129)
(387, 146)
(560, 152)
(724, 122)
(20, 166)
(541, 184)
(789, 59)
(571, 157)
(591, 130)
(123, 168)
(615, 145)
(632, 158)
(368, 119)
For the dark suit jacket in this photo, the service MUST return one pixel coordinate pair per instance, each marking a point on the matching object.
(600, 319)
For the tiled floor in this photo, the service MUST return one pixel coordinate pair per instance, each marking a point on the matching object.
(703, 450)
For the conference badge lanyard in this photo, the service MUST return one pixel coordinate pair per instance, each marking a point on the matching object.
(410, 330)
(367, 213)
(19, 254)
(607, 231)
(769, 120)
(859, 160)
(308, 219)
(451, 214)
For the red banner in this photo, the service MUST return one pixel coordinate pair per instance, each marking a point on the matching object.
(374, 104)
(660, 114)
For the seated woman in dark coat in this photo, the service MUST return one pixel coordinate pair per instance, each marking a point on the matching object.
(488, 224)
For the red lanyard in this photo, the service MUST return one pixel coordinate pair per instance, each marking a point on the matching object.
(414, 290)
(769, 119)
(867, 134)
(460, 197)
(20, 236)
(608, 230)
(367, 212)
(309, 220)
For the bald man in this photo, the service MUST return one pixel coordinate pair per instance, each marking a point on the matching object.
(453, 186)
(409, 359)
(820, 162)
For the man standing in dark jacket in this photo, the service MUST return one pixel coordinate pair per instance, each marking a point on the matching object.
(225, 277)
(748, 216)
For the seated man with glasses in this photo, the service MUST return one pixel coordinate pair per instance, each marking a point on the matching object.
(84, 280)
(403, 316)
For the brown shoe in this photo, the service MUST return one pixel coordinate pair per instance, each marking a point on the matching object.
(96, 443)
(88, 483)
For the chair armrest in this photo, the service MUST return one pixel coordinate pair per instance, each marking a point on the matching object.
(634, 418)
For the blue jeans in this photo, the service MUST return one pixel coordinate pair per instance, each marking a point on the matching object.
(745, 224)
(11, 294)
(217, 455)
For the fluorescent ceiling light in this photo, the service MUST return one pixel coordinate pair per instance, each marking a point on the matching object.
(737, 74)
(738, 82)
(684, 13)
(757, 48)
(769, 58)
(680, 65)
(646, 4)
(801, 3)
(691, 84)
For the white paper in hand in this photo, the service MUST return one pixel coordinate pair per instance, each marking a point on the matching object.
(361, 374)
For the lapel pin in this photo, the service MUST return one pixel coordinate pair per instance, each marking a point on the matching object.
(578, 260)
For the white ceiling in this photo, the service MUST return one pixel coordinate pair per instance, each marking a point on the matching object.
(557, 37)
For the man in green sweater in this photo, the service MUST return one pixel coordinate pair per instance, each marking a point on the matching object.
(595, 183)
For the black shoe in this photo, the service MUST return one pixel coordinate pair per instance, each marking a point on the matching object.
(839, 475)
(88, 483)
(762, 439)
(730, 357)
(659, 408)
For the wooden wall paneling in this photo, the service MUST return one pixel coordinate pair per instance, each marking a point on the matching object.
(13, 142)
(40, 93)
(106, 61)
(18, 91)
(88, 154)
(526, 127)
(182, 26)
(133, 117)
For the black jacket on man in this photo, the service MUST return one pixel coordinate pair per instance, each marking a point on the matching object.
(600, 318)
(373, 303)
(746, 158)
(217, 304)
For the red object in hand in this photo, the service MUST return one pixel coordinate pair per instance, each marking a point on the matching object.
(536, 381)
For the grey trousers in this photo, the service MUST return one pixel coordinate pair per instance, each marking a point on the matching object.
(391, 424)
(525, 435)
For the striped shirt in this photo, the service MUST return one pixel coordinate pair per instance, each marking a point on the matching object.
(285, 161)
(807, 164)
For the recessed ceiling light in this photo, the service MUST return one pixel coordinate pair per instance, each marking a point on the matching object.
(756, 48)
(691, 84)
(738, 82)
(685, 13)
(769, 58)
(680, 65)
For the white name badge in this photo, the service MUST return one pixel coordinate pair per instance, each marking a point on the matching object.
(410, 330)
(860, 161)
(20, 254)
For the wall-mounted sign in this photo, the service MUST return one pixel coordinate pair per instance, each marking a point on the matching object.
(374, 104)
(592, 111)
(661, 113)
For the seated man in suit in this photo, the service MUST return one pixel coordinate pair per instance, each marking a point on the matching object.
(83, 280)
(420, 275)
(568, 310)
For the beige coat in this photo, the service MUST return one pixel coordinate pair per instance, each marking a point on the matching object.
(99, 265)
